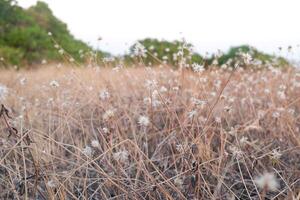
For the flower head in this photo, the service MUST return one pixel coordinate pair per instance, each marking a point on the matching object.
(197, 68)
(143, 120)
(87, 151)
(139, 50)
(95, 143)
(121, 156)
(54, 83)
(267, 181)
(108, 114)
(276, 154)
(104, 95)
(247, 58)
(51, 183)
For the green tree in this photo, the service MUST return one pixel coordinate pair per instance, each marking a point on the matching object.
(24, 35)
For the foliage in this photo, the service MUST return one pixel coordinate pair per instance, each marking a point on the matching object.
(24, 37)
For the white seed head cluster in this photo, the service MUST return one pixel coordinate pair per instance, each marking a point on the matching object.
(109, 114)
(54, 84)
(276, 154)
(51, 184)
(3, 92)
(104, 94)
(197, 68)
(139, 50)
(143, 120)
(267, 181)
(121, 156)
(95, 143)
(88, 151)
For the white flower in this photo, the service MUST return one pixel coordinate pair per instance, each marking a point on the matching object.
(247, 58)
(49, 33)
(282, 87)
(218, 119)
(87, 151)
(139, 50)
(51, 183)
(149, 101)
(276, 114)
(267, 181)
(197, 68)
(61, 51)
(176, 88)
(175, 57)
(281, 95)
(267, 91)
(154, 94)
(3, 92)
(108, 114)
(276, 154)
(227, 109)
(151, 47)
(108, 59)
(23, 81)
(223, 66)
(178, 181)
(54, 83)
(235, 151)
(163, 89)
(121, 156)
(244, 140)
(143, 120)
(44, 62)
(232, 131)
(198, 102)
(95, 143)
(215, 62)
(291, 111)
(180, 148)
(105, 130)
(151, 84)
(104, 95)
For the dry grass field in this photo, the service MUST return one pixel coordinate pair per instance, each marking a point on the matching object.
(149, 133)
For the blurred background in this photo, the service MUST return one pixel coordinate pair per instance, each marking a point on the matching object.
(112, 27)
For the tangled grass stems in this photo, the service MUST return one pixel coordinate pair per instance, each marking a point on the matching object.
(146, 133)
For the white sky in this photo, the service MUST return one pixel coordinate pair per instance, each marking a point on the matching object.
(208, 24)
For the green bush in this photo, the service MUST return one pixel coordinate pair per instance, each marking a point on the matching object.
(11, 55)
(24, 34)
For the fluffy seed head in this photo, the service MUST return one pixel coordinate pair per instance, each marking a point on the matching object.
(87, 151)
(267, 181)
(95, 143)
(144, 120)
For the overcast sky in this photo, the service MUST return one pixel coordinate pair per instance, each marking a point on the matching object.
(208, 24)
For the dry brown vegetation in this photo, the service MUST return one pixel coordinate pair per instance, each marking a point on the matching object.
(144, 133)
